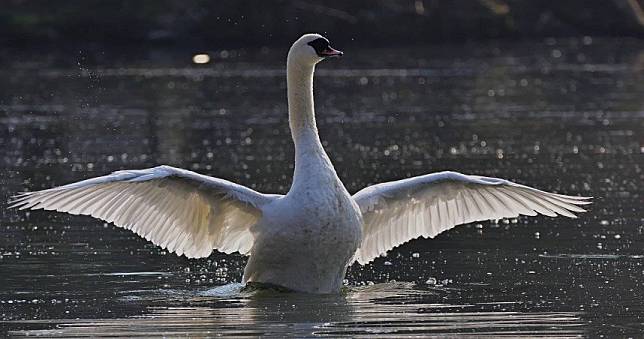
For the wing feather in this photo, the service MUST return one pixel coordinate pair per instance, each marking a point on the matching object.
(182, 211)
(396, 212)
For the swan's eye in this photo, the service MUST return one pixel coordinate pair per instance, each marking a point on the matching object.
(320, 45)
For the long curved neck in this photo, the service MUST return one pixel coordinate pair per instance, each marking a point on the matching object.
(301, 112)
(311, 161)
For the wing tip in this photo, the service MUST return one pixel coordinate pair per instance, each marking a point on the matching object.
(21, 194)
(20, 200)
(578, 198)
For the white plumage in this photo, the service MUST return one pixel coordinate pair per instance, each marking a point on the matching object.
(185, 212)
(424, 206)
(303, 240)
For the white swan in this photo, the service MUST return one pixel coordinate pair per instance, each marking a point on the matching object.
(303, 240)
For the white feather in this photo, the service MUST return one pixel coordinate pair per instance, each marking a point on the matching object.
(185, 212)
(399, 211)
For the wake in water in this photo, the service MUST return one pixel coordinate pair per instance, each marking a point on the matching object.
(253, 289)
(377, 310)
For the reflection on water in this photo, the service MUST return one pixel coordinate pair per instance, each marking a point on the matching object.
(566, 116)
(389, 309)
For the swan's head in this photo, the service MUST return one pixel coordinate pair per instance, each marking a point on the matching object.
(311, 49)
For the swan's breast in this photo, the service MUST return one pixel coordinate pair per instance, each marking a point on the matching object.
(305, 243)
(321, 218)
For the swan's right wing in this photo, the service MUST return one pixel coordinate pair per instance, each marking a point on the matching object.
(398, 211)
(183, 211)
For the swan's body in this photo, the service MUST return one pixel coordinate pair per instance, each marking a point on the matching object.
(303, 240)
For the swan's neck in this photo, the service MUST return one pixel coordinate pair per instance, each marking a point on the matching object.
(301, 113)
(311, 161)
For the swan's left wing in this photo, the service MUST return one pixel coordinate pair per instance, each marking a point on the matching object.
(182, 211)
(398, 211)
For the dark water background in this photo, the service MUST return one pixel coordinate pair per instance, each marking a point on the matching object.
(561, 115)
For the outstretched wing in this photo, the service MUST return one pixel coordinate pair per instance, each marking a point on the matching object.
(398, 211)
(183, 211)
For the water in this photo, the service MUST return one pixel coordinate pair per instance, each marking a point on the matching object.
(561, 115)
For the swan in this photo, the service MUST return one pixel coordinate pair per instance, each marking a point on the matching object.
(306, 239)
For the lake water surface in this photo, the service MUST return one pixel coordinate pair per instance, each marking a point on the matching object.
(560, 115)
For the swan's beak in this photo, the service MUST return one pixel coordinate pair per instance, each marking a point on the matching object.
(330, 52)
